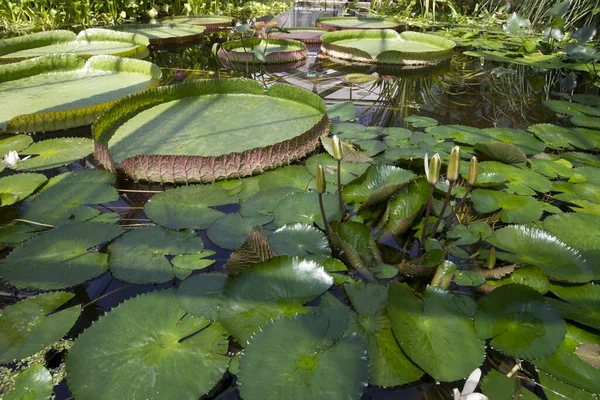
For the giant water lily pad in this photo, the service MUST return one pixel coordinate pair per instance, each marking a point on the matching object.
(386, 47)
(188, 132)
(150, 348)
(26, 327)
(536, 247)
(308, 36)
(301, 358)
(212, 23)
(520, 322)
(437, 333)
(63, 91)
(349, 23)
(258, 51)
(61, 258)
(87, 43)
(165, 34)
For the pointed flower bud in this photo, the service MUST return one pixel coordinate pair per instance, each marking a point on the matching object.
(432, 170)
(338, 153)
(454, 165)
(472, 176)
(321, 183)
(491, 258)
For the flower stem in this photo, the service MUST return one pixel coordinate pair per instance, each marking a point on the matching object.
(339, 185)
(426, 219)
(325, 223)
(459, 205)
(439, 220)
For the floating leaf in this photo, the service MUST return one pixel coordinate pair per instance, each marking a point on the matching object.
(35, 383)
(192, 262)
(230, 231)
(569, 108)
(460, 134)
(30, 325)
(515, 208)
(557, 390)
(188, 206)
(560, 138)
(419, 121)
(405, 207)
(14, 143)
(81, 176)
(265, 201)
(496, 386)
(349, 171)
(345, 110)
(519, 322)
(528, 275)
(17, 233)
(255, 249)
(136, 345)
(350, 152)
(537, 247)
(586, 122)
(521, 181)
(436, 334)
(291, 176)
(61, 258)
(201, 294)
(377, 184)
(504, 152)
(582, 159)
(302, 348)
(371, 147)
(468, 278)
(553, 169)
(299, 240)
(523, 140)
(55, 153)
(20, 186)
(580, 303)
(140, 255)
(303, 207)
(384, 271)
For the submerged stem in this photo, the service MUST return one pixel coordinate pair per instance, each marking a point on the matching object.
(439, 220)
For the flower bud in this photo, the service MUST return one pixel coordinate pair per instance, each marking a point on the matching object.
(152, 13)
(321, 183)
(491, 259)
(338, 153)
(472, 176)
(432, 170)
(454, 165)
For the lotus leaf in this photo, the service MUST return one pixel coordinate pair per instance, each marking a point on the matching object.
(504, 152)
(521, 181)
(371, 147)
(386, 46)
(553, 169)
(519, 322)
(275, 287)
(557, 390)
(19, 187)
(337, 23)
(389, 365)
(137, 354)
(265, 201)
(537, 247)
(277, 127)
(140, 255)
(437, 333)
(188, 206)
(303, 207)
(230, 231)
(299, 240)
(201, 294)
(185, 264)
(212, 23)
(165, 34)
(515, 208)
(475, 232)
(34, 383)
(560, 138)
(567, 367)
(60, 258)
(497, 386)
(87, 43)
(303, 348)
(580, 303)
(349, 171)
(31, 324)
(585, 121)
(523, 140)
(586, 174)
(352, 131)
(460, 134)
(376, 185)
(419, 121)
(587, 99)
(57, 92)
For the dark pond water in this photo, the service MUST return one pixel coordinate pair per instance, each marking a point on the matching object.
(462, 91)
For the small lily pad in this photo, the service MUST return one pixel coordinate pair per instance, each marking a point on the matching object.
(553, 169)
(292, 175)
(419, 121)
(515, 208)
(523, 140)
(346, 111)
(569, 108)
(460, 134)
(30, 325)
(521, 181)
(230, 231)
(468, 278)
(34, 383)
(303, 207)
(54, 153)
(19, 186)
(558, 137)
(586, 121)
(299, 240)
(495, 385)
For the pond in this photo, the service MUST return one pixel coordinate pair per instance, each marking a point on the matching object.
(526, 209)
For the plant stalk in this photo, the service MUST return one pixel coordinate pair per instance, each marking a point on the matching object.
(459, 205)
(339, 185)
(325, 223)
(426, 219)
(446, 201)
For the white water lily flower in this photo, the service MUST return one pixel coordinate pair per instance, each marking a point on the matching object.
(469, 388)
(432, 171)
(12, 158)
(152, 13)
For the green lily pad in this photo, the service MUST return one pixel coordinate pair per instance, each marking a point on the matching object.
(586, 121)
(519, 322)
(586, 174)
(17, 233)
(591, 134)
(279, 286)
(14, 143)
(497, 386)
(468, 278)
(560, 138)
(567, 367)
(299, 240)
(291, 176)
(185, 264)
(61, 258)
(582, 159)
(553, 169)
(35, 383)
(54, 153)
(474, 233)
(371, 147)
(188, 206)
(349, 171)
(557, 390)
(528, 275)
(345, 110)
(515, 208)
(523, 140)
(351, 154)
(26, 327)
(265, 201)
(448, 350)
(201, 294)
(587, 99)
(303, 348)
(521, 181)
(384, 271)
(580, 232)
(230, 231)
(419, 121)
(376, 185)
(404, 208)
(569, 108)
(389, 364)
(504, 152)
(460, 134)
(140, 255)
(20, 186)
(140, 341)
(580, 303)
(537, 247)
(303, 207)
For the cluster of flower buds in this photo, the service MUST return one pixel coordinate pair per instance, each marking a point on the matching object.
(432, 169)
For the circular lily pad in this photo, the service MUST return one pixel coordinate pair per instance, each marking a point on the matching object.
(201, 294)
(26, 327)
(348, 23)
(308, 36)
(299, 240)
(148, 348)
(60, 258)
(189, 132)
(302, 348)
(62, 91)
(87, 43)
(165, 34)
(304, 207)
(386, 47)
(17, 187)
(212, 23)
(55, 153)
(258, 51)
(230, 231)
(35, 383)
